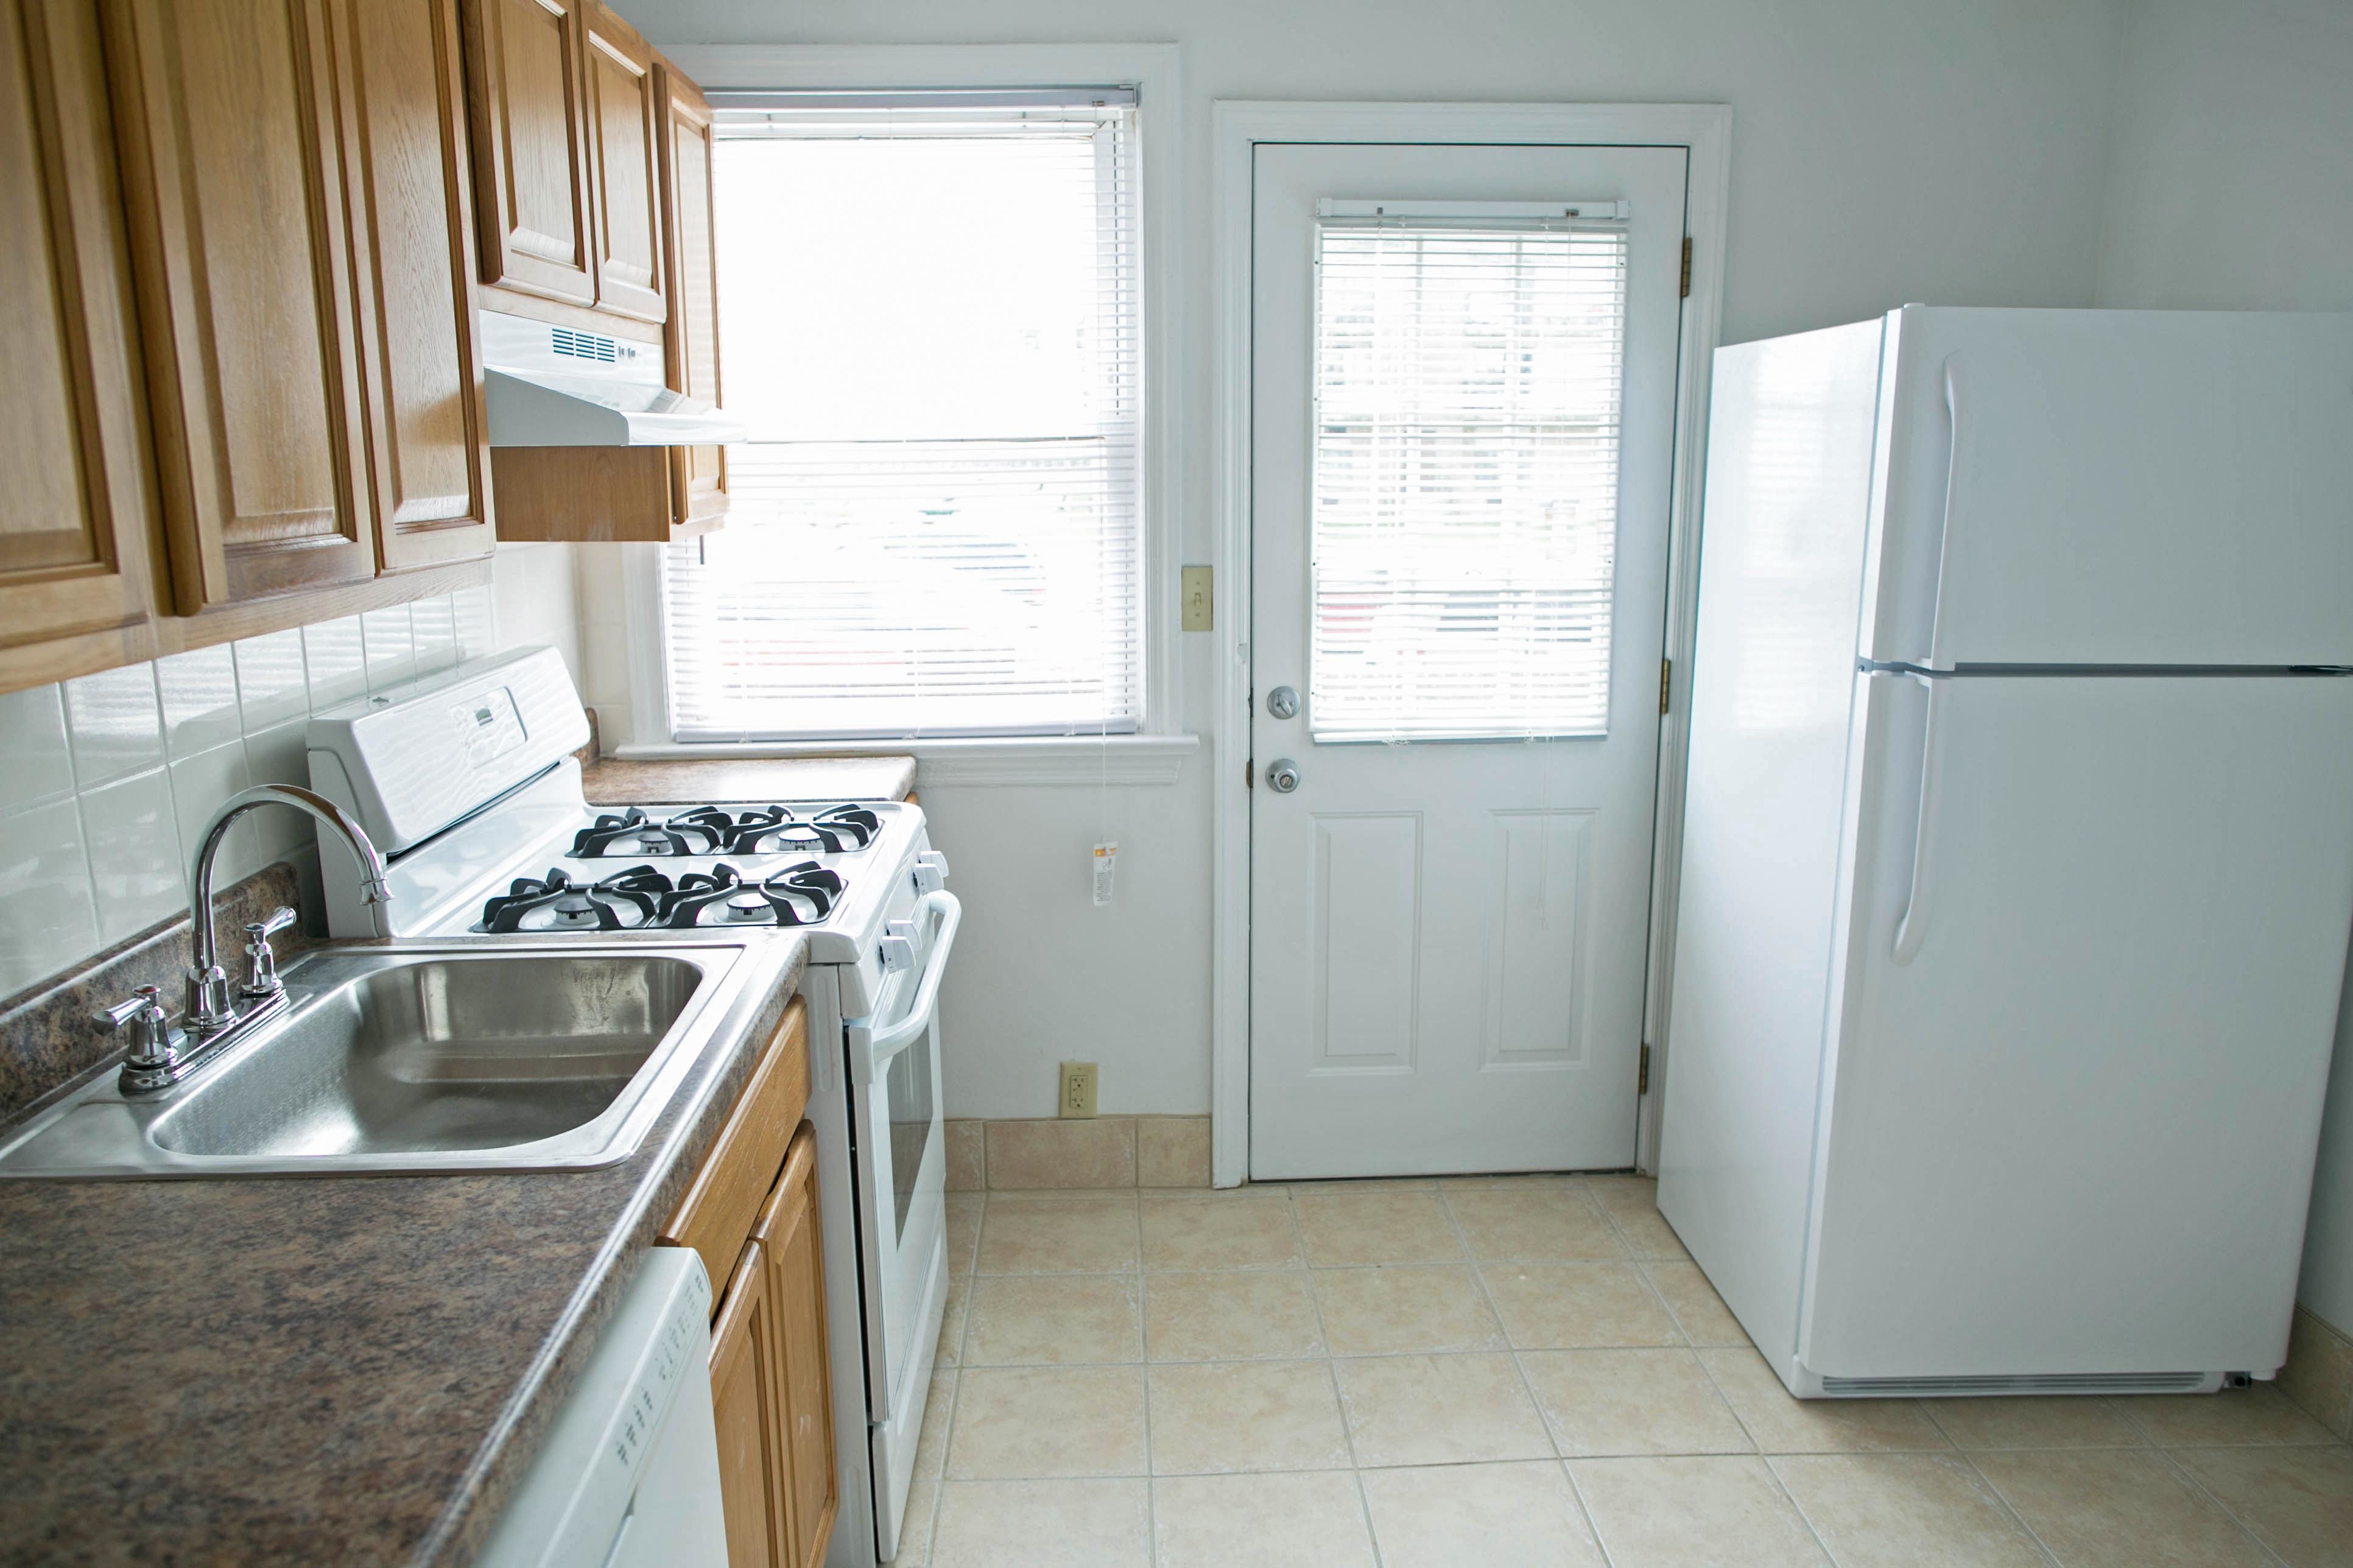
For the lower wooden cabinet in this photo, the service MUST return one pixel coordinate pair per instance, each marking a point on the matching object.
(770, 1386)
(752, 1451)
(787, 1236)
(751, 1213)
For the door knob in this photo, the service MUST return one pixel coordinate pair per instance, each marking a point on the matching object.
(1282, 776)
(1282, 703)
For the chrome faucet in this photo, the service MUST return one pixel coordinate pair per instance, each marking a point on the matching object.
(160, 1055)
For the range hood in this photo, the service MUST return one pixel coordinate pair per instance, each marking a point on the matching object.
(556, 386)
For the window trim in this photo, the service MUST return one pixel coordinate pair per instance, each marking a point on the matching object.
(1149, 755)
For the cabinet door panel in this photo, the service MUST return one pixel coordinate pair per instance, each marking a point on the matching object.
(412, 218)
(529, 116)
(73, 532)
(234, 167)
(623, 111)
(698, 474)
(744, 1401)
(789, 1241)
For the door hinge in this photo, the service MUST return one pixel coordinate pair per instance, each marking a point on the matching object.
(1686, 293)
(1247, 762)
(1666, 681)
(1642, 1074)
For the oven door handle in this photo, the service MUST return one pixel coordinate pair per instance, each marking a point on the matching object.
(884, 1044)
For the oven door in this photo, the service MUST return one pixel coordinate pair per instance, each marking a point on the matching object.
(902, 1161)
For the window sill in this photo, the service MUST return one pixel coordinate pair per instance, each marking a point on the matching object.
(991, 761)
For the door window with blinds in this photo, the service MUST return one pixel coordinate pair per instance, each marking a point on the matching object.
(1463, 517)
(931, 333)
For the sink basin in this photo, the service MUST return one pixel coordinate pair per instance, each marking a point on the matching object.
(434, 1061)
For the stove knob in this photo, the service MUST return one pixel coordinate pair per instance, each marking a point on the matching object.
(931, 871)
(897, 953)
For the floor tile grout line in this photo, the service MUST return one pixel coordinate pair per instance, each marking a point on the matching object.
(1144, 1380)
(2189, 1477)
(1774, 1475)
(1585, 1509)
(1479, 1279)
(2008, 1508)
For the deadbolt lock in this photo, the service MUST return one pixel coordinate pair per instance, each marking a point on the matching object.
(1282, 703)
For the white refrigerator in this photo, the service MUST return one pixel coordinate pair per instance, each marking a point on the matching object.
(2018, 862)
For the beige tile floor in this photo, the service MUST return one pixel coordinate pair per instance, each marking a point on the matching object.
(1520, 1373)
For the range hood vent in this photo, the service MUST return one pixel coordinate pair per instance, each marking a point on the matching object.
(554, 387)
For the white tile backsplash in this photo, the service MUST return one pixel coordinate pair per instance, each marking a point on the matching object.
(106, 780)
(199, 692)
(133, 833)
(269, 681)
(114, 723)
(46, 917)
(36, 763)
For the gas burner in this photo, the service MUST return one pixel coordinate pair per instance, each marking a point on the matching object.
(773, 831)
(802, 894)
(701, 831)
(623, 901)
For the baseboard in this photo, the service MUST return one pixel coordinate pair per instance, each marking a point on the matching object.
(1051, 1154)
(2319, 1374)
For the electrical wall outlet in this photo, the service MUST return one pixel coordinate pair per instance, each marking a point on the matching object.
(1078, 1095)
(1196, 594)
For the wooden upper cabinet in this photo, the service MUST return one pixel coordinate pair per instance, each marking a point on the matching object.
(690, 340)
(233, 175)
(412, 218)
(528, 106)
(624, 108)
(76, 588)
(746, 1407)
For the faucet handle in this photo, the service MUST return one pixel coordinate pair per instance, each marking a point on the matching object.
(260, 962)
(140, 1016)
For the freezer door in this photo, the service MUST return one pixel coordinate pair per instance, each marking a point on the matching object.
(2090, 987)
(2115, 487)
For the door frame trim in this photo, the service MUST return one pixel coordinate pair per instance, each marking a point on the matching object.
(1238, 126)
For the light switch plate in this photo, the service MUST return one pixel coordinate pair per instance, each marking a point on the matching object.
(1078, 1095)
(1197, 616)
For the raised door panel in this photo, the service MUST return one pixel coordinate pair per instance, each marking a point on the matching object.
(412, 221)
(790, 1239)
(698, 474)
(744, 1400)
(529, 116)
(624, 106)
(75, 590)
(234, 160)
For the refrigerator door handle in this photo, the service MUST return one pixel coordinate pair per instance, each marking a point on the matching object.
(1912, 928)
(1940, 627)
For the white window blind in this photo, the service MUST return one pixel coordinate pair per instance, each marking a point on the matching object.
(929, 326)
(1464, 506)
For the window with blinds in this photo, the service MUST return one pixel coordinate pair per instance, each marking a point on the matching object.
(1464, 505)
(929, 327)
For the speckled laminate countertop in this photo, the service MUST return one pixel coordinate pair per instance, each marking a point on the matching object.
(612, 781)
(343, 1370)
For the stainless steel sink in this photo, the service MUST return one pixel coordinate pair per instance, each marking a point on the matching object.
(426, 1058)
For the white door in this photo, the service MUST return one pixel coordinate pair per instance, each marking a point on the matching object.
(1462, 384)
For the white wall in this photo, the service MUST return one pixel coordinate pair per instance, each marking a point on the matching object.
(1884, 150)
(2232, 188)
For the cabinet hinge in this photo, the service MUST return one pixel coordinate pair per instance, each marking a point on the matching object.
(1247, 765)
(1642, 1074)
(1686, 293)
(1666, 681)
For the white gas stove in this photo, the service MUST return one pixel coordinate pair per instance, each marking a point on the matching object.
(465, 783)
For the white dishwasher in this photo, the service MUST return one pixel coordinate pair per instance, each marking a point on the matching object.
(628, 1476)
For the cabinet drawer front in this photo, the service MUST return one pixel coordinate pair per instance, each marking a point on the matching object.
(728, 1193)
